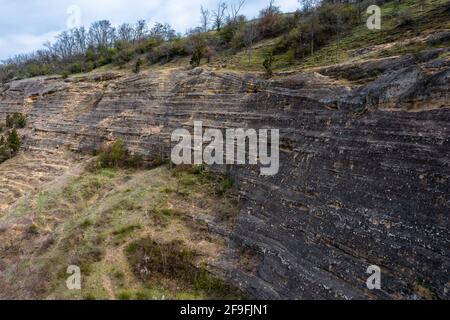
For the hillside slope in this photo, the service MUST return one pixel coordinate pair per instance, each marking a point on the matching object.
(364, 175)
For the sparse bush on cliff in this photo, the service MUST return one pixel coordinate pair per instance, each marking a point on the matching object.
(16, 120)
(267, 64)
(199, 49)
(117, 155)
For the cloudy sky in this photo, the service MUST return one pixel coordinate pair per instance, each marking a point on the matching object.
(26, 24)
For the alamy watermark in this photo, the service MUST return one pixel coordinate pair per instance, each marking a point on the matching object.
(191, 150)
(74, 281)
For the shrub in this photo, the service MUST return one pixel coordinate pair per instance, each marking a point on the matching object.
(124, 54)
(36, 69)
(335, 18)
(125, 295)
(65, 74)
(90, 55)
(113, 156)
(147, 45)
(13, 141)
(7, 73)
(271, 22)
(117, 155)
(135, 161)
(9, 146)
(4, 151)
(137, 65)
(150, 259)
(228, 32)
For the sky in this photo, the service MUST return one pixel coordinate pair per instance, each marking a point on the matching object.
(25, 25)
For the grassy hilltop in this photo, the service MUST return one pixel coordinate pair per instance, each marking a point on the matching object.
(330, 33)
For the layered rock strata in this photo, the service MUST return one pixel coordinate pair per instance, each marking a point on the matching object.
(364, 169)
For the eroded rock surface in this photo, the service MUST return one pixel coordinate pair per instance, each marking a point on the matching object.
(364, 177)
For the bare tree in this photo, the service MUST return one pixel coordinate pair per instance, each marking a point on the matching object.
(218, 15)
(125, 32)
(204, 18)
(249, 36)
(234, 10)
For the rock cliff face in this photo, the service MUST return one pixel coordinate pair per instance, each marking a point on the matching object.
(364, 169)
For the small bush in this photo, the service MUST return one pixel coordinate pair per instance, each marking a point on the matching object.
(124, 54)
(406, 20)
(13, 141)
(271, 22)
(117, 155)
(89, 296)
(199, 49)
(125, 295)
(65, 74)
(106, 56)
(126, 230)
